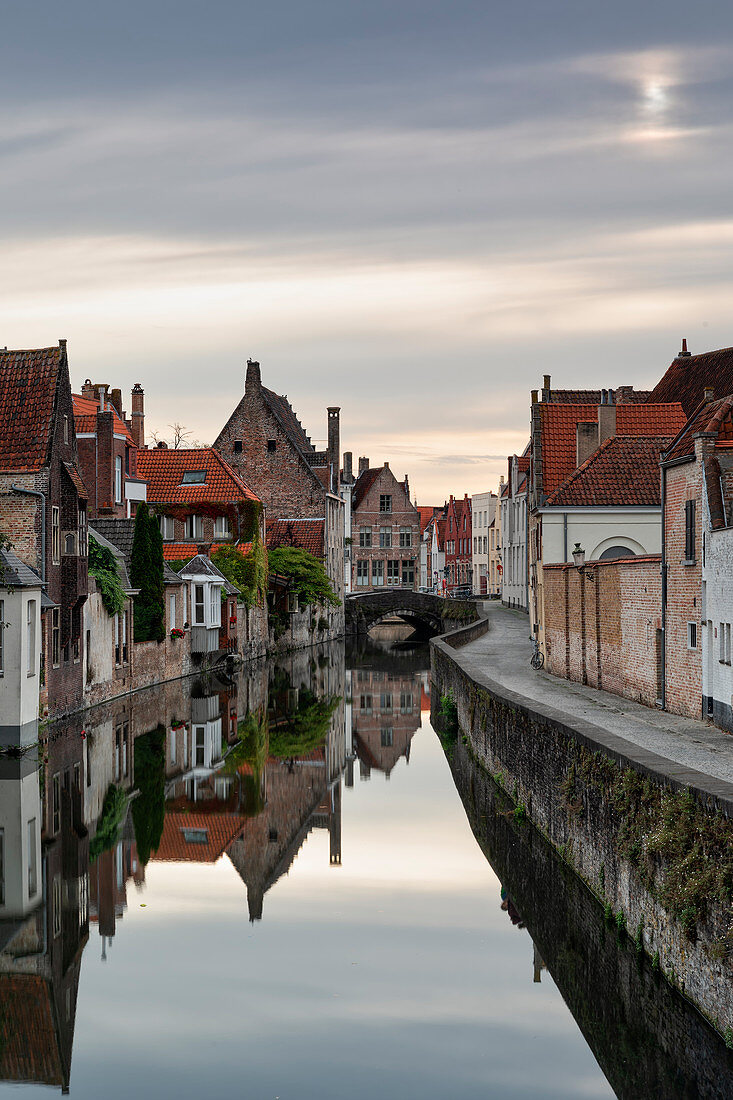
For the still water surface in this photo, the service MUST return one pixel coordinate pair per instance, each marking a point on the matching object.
(316, 925)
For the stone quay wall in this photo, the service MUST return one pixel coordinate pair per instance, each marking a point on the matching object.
(584, 789)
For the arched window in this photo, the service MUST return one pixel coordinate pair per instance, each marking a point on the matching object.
(614, 552)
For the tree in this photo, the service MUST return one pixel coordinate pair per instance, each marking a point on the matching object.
(146, 574)
(148, 809)
(306, 574)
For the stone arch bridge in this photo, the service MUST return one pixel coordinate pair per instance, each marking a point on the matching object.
(427, 613)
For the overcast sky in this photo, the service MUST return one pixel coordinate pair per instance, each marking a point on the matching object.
(411, 209)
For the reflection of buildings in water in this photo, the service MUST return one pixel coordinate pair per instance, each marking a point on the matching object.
(259, 814)
(43, 918)
(537, 963)
(384, 717)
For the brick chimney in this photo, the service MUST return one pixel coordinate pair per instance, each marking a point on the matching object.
(606, 416)
(684, 353)
(137, 415)
(89, 390)
(348, 459)
(116, 399)
(253, 381)
(546, 387)
(334, 446)
(363, 465)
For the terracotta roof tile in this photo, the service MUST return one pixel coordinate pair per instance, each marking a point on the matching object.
(85, 417)
(28, 383)
(426, 514)
(76, 480)
(197, 838)
(688, 376)
(712, 417)
(559, 431)
(163, 469)
(623, 471)
(305, 533)
(29, 1042)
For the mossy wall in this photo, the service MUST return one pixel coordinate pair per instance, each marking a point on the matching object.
(657, 858)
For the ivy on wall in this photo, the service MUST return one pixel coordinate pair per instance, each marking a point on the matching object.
(146, 574)
(103, 567)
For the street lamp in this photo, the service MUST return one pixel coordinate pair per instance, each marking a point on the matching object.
(579, 556)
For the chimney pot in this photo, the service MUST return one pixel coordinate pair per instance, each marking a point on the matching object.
(534, 396)
(363, 465)
(684, 352)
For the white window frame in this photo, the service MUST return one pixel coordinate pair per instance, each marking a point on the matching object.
(31, 637)
(118, 479)
(199, 605)
(167, 528)
(172, 611)
(55, 534)
(222, 527)
(692, 635)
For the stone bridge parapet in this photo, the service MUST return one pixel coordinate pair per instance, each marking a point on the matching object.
(429, 614)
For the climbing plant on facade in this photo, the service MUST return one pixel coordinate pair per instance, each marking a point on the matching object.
(146, 574)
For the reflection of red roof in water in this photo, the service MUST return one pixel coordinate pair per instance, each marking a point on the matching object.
(197, 838)
(29, 1047)
(424, 699)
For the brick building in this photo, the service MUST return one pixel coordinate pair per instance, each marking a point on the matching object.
(385, 530)
(43, 505)
(107, 443)
(458, 536)
(200, 500)
(264, 442)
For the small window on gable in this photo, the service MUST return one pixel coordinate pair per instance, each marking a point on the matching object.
(271, 445)
(692, 635)
(237, 446)
(194, 477)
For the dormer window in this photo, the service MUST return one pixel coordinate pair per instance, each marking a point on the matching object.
(194, 477)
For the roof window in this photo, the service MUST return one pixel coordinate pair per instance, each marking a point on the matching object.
(194, 477)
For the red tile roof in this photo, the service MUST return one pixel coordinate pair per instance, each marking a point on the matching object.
(29, 1043)
(688, 376)
(220, 830)
(28, 385)
(163, 469)
(623, 471)
(85, 417)
(559, 431)
(523, 463)
(426, 514)
(713, 418)
(305, 533)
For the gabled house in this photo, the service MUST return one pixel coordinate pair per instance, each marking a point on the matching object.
(458, 551)
(43, 506)
(21, 598)
(200, 500)
(265, 443)
(427, 515)
(108, 442)
(385, 528)
(485, 549)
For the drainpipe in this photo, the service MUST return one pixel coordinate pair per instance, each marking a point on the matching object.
(42, 497)
(663, 670)
(565, 536)
(526, 554)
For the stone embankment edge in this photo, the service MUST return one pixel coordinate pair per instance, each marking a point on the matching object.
(711, 792)
(690, 973)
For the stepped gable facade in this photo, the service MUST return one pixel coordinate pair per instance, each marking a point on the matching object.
(385, 530)
(264, 442)
(43, 505)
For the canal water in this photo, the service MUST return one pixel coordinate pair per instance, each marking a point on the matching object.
(274, 883)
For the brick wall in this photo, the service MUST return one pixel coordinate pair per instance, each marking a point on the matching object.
(368, 517)
(281, 478)
(601, 625)
(684, 590)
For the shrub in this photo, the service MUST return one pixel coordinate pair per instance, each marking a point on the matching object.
(146, 574)
(306, 574)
